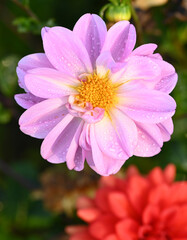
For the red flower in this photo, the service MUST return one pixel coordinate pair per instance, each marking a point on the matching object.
(135, 208)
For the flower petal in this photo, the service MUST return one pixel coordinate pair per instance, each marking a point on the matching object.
(120, 40)
(54, 148)
(149, 140)
(138, 67)
(166, 129)
(40, 119)
(144, 50)
(49, 83)
(37, 60)
(102, 227)
(147, 106)
(101, 163)
(66, 51)
(108, 140)
(167, 83)
(27, 100)
(126, 131)
(127, 229)
(104, 63)
(74, 158)
(91, 29)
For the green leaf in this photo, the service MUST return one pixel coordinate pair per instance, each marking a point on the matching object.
(8, 77)
(5, 115)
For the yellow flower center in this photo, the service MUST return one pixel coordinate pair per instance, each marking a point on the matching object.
(99, 91)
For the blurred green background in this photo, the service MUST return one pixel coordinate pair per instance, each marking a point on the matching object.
(37, 198)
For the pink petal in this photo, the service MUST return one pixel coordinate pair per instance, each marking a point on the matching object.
(66, 51)
(120, 40)
(37, 60)
(167, 83)
(27, 100)
(74, 158)
(101, 163)
(104, 63)
(166, 129)
(147, 106)
(91, 29)
(41, 118)
(138, 67)
(49, 83)
(55, 146)
(126, 131)
(108, 139)
(144, 50)
(149, 140)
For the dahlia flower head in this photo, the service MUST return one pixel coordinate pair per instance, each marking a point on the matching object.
(91, 96)
(134, 208)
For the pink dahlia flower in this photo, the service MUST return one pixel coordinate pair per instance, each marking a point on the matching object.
(135, 208)
(90, 96)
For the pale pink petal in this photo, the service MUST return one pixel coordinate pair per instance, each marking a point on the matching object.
(167, 84)
(93, 116)
(27, 100)
(37, 60)
(166, 68)
(84, 140)
(148, 106)
(138, 67)
(108, 139)
(91, 29)
(55, 146)
(166, 129)
(66, 51)
(41, 118)
(50, 83)
(74, 158)
(101, 163)
(144, 50)
(149, 140)
(126, 131)
(120, 40)
(104, 63)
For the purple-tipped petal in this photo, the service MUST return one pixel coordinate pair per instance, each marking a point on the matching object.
(150, 140)
(55, 146)
(167, 84)
(144, 50)
(66, 51)
(120, 40)
(37, 60)
(166, 129)
(101, 163)
(27, 100)
(147, 106)
(50, 83)
(74, 158)
(91, 29)
(41, 118)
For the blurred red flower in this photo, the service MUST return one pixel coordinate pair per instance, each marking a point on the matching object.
(135, 208)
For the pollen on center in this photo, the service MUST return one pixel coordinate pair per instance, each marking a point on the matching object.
(99, 91)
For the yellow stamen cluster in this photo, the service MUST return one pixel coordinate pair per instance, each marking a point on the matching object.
(99, 91)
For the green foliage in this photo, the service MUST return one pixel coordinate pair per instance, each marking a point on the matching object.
(28, 24)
